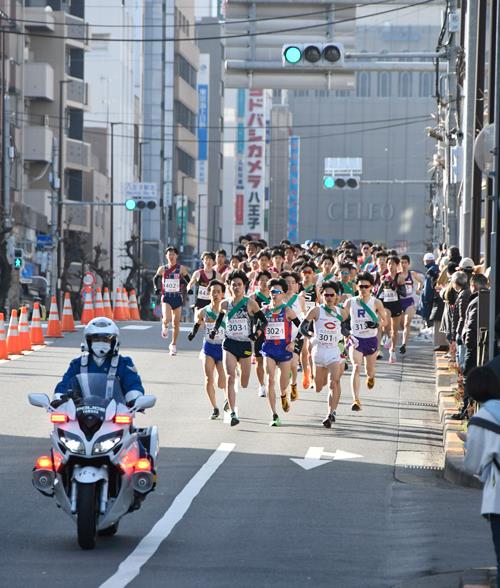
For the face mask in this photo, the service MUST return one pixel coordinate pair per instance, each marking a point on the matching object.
(100, 348)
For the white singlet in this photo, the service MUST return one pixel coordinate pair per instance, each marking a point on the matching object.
(359, 318)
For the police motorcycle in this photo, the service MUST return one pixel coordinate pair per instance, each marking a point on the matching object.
(100, 467)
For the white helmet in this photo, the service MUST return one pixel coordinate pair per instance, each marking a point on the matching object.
(102, 337)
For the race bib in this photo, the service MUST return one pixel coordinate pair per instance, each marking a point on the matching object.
(409, 289)
(359, 327)
(310, 304)
(172, 285)
(237, 327)
(390, 296)
(219, 335)
(275, 331)
(327, 338)
(203, 293)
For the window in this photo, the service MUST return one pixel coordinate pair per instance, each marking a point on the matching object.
(185, 70)
(363, 89)
(185, 163)
(405, 81)
(75, 123)
(343, 93)
(425, 89)
(384, 85)
(184, 116)
(75, 63)
(74, 184)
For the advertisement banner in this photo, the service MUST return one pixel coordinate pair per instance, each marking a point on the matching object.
(293, 189)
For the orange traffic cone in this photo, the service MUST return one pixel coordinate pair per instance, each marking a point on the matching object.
(99, 304)
(88, 309)
(68, 322)
(54, 325)
(24, 330)
(36, 331)
(118, 309)
(4, 354)
(108, 311)
(13, 343)
(134, 309)
(126, 305)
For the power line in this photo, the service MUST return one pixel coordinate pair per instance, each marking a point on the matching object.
(216, 37)
(199, 24)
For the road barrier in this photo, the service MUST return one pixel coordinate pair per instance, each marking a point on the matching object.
(13, 343)
(24, 331)
(36, 331)
(54, 325)
(88, 309)
(98, 304)
(4, 354)
(68, 322)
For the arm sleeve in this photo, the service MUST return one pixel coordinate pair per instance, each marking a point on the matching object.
(304, 327)
(72, 371)
(157, 282)
(129, 376)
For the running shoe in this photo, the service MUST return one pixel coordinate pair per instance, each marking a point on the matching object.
(380, 355)
(164, 331)
(262, 391)
(226, 405)
(356, 405)
(215, 414)
(276, 421)
(386, 342)
(370, 382)
(306, 380)
(234, 419)
(172, 349)
(392, 357)
(346, 366)
(327, 423)
(293, 392)
(285, 405)
(402, 349)
(254, 360)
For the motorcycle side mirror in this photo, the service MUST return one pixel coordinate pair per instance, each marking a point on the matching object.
(41, 400)
(110, 410)
(143, 402)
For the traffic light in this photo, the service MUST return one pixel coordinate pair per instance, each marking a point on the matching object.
(313, 54)
(18, 259)
(139, 204)
(338, 182)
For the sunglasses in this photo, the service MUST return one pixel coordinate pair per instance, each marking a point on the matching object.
(307, 271)
(363, 286)
(329, 295)
(276, 291)
(344, 273)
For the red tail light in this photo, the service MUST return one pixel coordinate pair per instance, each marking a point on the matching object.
(57, 460)
(57, 417)
(123, 419)
(44, 462)
(142, 465)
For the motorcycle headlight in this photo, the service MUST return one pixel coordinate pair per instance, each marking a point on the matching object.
(72, 442)
(107, 442)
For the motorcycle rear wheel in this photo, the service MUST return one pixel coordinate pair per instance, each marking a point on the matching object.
(87, 515)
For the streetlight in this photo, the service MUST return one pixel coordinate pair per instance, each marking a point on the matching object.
(181, 241)
(199, 221)
(112, 199)
(140, 248)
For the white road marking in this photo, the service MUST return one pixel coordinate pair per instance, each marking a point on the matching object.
(137, 327)
(130, 567)
(313, 457)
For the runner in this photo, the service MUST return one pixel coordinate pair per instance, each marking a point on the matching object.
(413, 286)
(308, 289)
(277, 258)
(378, 272)
(290, 255)
(366, 259)
(263, 297)
(202, 278)
(264, 261)
(221, 264)
(391, 286)
(239, 313)
(347, 286)
(325, 350)
(297, 303)
(211, 353)
(167, 281)
(278, 345)
(327, 262)
(367, 314)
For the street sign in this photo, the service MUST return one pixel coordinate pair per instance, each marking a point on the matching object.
(258, 33)
(144, 190)
(89, 279)
(44, 241)
(27, 272)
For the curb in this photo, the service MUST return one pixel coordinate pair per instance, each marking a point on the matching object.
(479, 578)
(454, 470)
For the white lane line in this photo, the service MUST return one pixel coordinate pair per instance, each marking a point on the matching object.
(137, 327)
(131, 566)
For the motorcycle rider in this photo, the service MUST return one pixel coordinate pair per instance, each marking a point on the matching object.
(100, 355)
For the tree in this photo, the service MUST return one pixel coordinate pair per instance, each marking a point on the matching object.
(131, 250)
(5, 266)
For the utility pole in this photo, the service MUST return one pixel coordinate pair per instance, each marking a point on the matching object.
(60, 192)
(112, 214)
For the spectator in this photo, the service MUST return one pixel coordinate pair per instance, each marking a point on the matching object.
(460, 283)
(482, 457)
(467, 266)
(494, 363)
(449, 295)
(432, 305)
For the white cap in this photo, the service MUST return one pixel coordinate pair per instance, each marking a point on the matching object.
(429, 257)
(466, 263)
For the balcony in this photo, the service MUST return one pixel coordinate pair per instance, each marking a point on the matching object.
(77, 154)
(42, 21)
(39, 201)
(39, 81)
(76, 218)
(77, 31)
(37, 144)
(77, 93)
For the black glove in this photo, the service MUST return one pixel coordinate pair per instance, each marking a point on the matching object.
(58, 401)
(345, 329)
(192, 334)
(371, 325)
(157, 291)
(212, 333)
(459, 341)
(190, 291)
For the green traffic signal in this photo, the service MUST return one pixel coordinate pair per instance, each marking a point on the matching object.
(130, 204)
(18, 263)
(328, 182)
(292, 54)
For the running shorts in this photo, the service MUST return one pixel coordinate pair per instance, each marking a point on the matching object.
(276, 352)
(213, 350)
(240, 349)
(173, 300)
(406, 303)
(324, 356)
(395, 308)
(367, 345)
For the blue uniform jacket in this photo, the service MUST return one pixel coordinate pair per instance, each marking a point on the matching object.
(126, 372)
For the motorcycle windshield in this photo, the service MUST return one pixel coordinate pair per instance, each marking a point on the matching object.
(87, 385)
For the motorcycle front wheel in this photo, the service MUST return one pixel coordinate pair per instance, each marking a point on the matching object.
(86, 521)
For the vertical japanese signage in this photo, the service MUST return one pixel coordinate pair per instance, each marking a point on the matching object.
(293, 190)
(255, 192)
(240, 163)
(203, 79)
